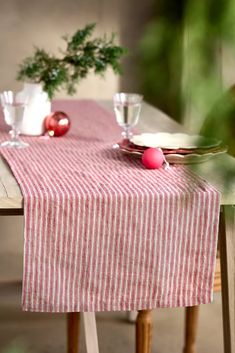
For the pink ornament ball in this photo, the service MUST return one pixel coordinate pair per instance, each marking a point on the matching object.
(153, 158)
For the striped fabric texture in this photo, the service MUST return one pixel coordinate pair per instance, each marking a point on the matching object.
(104, 233)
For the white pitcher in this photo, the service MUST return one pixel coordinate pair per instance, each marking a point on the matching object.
(38, 107)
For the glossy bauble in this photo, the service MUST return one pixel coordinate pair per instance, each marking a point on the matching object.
(57, 123)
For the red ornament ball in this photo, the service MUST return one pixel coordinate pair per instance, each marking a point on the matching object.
(57, 123)
(153, 158)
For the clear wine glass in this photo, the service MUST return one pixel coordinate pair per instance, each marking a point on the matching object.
(13, 110)
(127, 108)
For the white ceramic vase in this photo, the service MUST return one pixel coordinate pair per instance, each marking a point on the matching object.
(38, 107)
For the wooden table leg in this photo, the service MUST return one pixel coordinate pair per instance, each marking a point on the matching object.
(227, 258)
(73, 321)
(191, 323)
(144, 328)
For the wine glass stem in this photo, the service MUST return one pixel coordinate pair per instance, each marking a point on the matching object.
(14, 134)
(127, 134)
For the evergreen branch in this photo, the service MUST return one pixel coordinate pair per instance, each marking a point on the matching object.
(81, 56)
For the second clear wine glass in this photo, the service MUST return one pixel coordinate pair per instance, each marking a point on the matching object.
(127, 108)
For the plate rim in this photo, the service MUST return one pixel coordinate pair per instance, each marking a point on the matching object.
(179, 158)
(213, 142)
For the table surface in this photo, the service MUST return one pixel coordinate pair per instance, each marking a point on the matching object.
(151, 120)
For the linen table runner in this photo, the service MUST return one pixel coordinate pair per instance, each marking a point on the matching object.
(104, 233)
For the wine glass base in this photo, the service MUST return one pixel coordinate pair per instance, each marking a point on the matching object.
(115, 146)
(14, 144)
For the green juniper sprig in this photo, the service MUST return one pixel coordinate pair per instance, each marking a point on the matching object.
(81, 56)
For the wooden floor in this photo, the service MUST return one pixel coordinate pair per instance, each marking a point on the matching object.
(43, 333)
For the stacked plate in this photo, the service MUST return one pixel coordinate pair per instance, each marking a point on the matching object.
(178, 148)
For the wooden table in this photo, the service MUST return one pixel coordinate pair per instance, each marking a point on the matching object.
(11, 203)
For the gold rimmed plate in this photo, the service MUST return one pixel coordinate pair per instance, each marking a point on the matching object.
(174, 158)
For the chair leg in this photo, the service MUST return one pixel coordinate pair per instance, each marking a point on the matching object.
(191, 322)
(131, 316)
(90, 332)
(144, 328)
(73, 323)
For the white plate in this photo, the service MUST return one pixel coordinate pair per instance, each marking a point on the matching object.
(173, 141)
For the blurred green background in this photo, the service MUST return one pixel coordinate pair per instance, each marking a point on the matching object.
(180, 57)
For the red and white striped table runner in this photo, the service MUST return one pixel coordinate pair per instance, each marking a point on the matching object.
(102, 232)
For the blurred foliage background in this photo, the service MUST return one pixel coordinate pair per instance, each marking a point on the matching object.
(180, 63)
(161, 57)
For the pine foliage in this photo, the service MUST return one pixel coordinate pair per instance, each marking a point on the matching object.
(81, 56)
